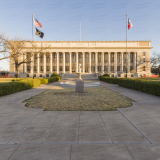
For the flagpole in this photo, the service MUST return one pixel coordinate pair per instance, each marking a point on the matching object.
(32, 27)
(80, 31)
(126, 44)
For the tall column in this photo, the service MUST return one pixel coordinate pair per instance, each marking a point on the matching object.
(44, 63)
(63, 62)
(134, 62)
(25, 64)
(83, 68)
(109, 62)
(32, 63)
(128, 66)
(38, 58)
(121, 61)
(51, 63)
(57, 62)
(115, 62)
(89, 62)
(96, 53)
(21, 66)
(102, 60)
(70, 62)
(76, 62)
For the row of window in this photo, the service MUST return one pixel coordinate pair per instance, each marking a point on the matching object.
(92, 68)
(80, 58)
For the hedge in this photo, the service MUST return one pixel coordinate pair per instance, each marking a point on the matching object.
(108, 79)
(21, 84)
(143, 85)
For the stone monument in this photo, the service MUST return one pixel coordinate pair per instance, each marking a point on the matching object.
(79, 82)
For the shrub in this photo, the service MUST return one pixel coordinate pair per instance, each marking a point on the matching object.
(43, 80)
(16, 86)
(54, 74)
(20, 84)
(106, 75)
(108, 79)
(143, 85)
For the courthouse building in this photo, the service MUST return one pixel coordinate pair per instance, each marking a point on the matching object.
(95, 57)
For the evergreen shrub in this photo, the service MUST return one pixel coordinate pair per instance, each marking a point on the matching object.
(143, 85)
(20, 84)
(106, 75)
(54, 74)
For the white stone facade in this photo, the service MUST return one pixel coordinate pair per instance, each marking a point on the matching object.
(94, 56)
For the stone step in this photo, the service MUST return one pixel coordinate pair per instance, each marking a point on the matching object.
(74, 75)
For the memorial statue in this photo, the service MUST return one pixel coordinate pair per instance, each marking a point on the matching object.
(79, 82)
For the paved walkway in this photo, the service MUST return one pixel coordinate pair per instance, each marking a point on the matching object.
(34, 134)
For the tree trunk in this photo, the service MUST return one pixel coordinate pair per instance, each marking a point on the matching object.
(18, 71)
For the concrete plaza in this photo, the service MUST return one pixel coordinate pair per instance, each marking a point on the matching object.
(125, 134)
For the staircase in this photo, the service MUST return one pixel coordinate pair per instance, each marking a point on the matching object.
(86, 76)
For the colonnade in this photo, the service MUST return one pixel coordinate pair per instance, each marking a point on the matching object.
(103, 63)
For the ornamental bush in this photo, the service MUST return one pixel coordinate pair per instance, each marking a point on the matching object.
(108, 79)
(20, 84)
(106, 75)
(143, 85)
(54, 74)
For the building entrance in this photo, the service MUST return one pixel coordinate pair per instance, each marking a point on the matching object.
(86, 69)
(73, 69)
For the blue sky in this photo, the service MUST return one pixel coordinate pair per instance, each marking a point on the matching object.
(102, 20)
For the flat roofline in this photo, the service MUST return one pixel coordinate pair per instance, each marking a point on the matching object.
(88, 41)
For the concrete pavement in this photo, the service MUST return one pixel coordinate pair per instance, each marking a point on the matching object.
(128, 133)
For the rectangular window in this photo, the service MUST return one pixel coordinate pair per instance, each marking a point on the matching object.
(131, 57)
(35, 58)
(144, 68)
(41, 68)
(99, 58)
(131, 68)
(54, 58)
(118, 58)
(35, 68)
(60, 58)
(124, 68)
(105, 68)
(67, 58)
(54, 68)
(99, 68)
(93, 68)
(124, 58)
(60, 68)
(118, 68)
(28, 68)
(144, 60)
(144, 54)
(112, 57)
(48, 60)
(112, 68)
(48, 68)
(105, 58)
(67, 68)
(92, 58)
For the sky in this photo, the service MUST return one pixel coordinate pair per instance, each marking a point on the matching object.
(101, 20)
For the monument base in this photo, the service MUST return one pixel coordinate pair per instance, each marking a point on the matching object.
(79, 86)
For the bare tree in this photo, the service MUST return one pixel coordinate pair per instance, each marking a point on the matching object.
(155, 63)
(15, 49)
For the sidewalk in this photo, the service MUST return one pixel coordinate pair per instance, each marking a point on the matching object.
(129, 133)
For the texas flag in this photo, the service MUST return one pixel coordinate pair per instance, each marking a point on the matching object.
(37, 23)
(129, 24)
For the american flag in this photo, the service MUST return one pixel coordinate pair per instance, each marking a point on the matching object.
(37, 23)
(129, 24)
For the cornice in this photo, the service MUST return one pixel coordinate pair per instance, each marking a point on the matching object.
(86, 41)
(92, 47)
